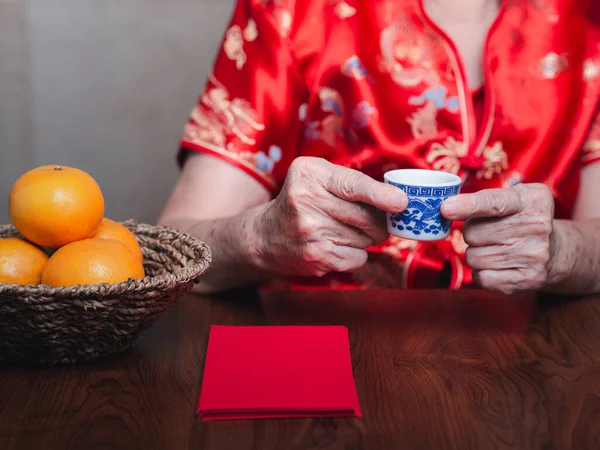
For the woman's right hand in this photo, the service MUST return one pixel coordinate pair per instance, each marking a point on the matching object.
(323, 219)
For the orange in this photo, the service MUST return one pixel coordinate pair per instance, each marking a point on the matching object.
(55, 205)
(20, 261)
(92, 261)
(109, 229)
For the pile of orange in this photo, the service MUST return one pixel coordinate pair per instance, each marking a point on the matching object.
(59, 211)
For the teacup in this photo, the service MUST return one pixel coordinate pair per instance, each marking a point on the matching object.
(426, 190)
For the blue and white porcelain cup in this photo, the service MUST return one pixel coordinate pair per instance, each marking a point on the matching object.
(426, 190)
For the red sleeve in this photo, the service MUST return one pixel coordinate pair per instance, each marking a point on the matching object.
(248, 112)
(591, 146)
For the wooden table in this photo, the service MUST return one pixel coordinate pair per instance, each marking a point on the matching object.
(434, 370)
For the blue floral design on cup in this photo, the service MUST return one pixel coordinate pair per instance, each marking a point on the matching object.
(426, 190)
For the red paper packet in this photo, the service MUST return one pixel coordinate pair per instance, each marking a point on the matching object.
(277, 372)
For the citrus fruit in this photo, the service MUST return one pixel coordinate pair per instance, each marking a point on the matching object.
(109, 229)
(91, 261)
(20, 261)
(54, 205)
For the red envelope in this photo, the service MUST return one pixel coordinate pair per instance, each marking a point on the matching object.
(277, 372)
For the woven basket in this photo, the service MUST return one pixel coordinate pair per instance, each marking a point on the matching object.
(47, 325)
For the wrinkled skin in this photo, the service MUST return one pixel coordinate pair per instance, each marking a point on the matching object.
(324, 218)
(509, 233)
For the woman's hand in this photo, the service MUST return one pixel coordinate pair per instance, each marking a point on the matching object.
(509, 233)
(323, 219)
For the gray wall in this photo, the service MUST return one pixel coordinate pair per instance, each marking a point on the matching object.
(105, 86)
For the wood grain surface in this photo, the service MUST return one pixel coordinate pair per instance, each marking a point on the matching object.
(433, 369)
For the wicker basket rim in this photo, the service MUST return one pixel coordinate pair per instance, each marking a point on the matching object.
(190, 272)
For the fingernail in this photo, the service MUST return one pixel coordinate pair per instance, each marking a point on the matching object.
(398, 200)
(450, 207)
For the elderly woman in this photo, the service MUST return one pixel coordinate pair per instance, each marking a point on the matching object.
(311, 101)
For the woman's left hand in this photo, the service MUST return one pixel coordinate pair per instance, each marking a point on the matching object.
(509, 233)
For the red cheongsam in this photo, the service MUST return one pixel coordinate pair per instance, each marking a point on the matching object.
(375, 85)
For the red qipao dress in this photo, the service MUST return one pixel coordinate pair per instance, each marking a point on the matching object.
(375, 85)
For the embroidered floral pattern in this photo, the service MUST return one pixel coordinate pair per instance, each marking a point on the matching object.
(204, 128)
(217, 117)
(266, 162)
(423, 122)
(331, 126)
(213, 139)
(234, 46)
(552, 65)
(312, 131)
(303, 112)
(591, 70)
(234, 42)
(438, 97)
(344, 11)
(285, 23)
(361, 114)
(406, 55)
(281, 16)
(447, 157)
(354, 68)
(250, 32)
(495, 161)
